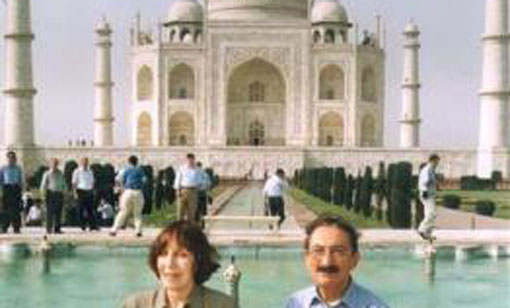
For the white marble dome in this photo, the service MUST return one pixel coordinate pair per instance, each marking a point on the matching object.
(263, 10)
(328, 11)
(185, 11)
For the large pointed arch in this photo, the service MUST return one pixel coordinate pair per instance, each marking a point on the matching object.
(256, 90)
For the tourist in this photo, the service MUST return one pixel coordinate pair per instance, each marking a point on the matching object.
(107, 213)
(427, 186)
(27, 200)
(183, 260)
(202, 195)
(83, 186)
(187, 181)
(331, 254)
(132, 179)
(12, 180)
(53, 185)
(273, 191)
(34, 216)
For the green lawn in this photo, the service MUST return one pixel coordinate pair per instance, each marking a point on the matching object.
(320, 207)
(469, 198)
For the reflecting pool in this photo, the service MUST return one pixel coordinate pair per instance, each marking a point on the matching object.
(100, 277)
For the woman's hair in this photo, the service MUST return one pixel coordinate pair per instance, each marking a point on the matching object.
(191, 237)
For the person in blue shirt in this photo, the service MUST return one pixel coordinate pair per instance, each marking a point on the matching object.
(11, 179)
(131, 180)
(331, 254)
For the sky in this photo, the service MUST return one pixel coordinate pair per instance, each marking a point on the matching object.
(63, 65)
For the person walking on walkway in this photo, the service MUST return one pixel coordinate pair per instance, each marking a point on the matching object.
(187, 181)
(53, 185)
(427, 186)
(131, 180)
(202, 194)
(83, 185)
(273, 191)
(11, 180)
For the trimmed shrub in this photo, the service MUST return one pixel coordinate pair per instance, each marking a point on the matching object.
(485, 207)
(475, 183)
(401, 196)
(388, 192)
(34, 181)
(451, 202)
(366, 189)
(339, 183)
(379, 189)
(357, 194)
(168, 184)
(69, 168)
(349, 191)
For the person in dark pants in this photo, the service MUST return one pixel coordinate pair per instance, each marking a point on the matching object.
(274, 189)
(11, 178)
(83, 185)
(202, 197)
(53, 185)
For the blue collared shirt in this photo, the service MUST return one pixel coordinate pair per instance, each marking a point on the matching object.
(133, 178)
(11, 175)
(355, 297)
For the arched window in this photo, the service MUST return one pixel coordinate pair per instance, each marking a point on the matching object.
(198, 36)
(181, 129)
(257, 92)
(368, 85)
(331, 130)
(329, 36)
(172, 35)
(183, 93)
(144, 83)
(256, 133)
(144, 130)
(332, 83)
(316, 37)
(181, 82)
(184, 33)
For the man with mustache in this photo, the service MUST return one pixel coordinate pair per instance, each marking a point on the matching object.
(331, 253)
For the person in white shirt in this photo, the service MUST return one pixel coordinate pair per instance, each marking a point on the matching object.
(427, 187)
(83, 186)
(34, 217)
(273, 191)
(107, 213)
(187, 182)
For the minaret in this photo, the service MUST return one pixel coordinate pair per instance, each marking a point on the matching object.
(19, 90)
(410, 122)
(495, 92)
(103, 119)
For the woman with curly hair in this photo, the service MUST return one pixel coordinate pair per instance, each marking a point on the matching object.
(182, 259)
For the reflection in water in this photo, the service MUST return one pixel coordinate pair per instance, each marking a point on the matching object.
(429, 268)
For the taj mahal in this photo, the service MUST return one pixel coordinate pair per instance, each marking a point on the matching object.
(251, 85)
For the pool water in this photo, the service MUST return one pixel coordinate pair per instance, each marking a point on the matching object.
(101, 277)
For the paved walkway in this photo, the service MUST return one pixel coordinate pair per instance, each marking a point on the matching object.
(452, 219)
(250, 202)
